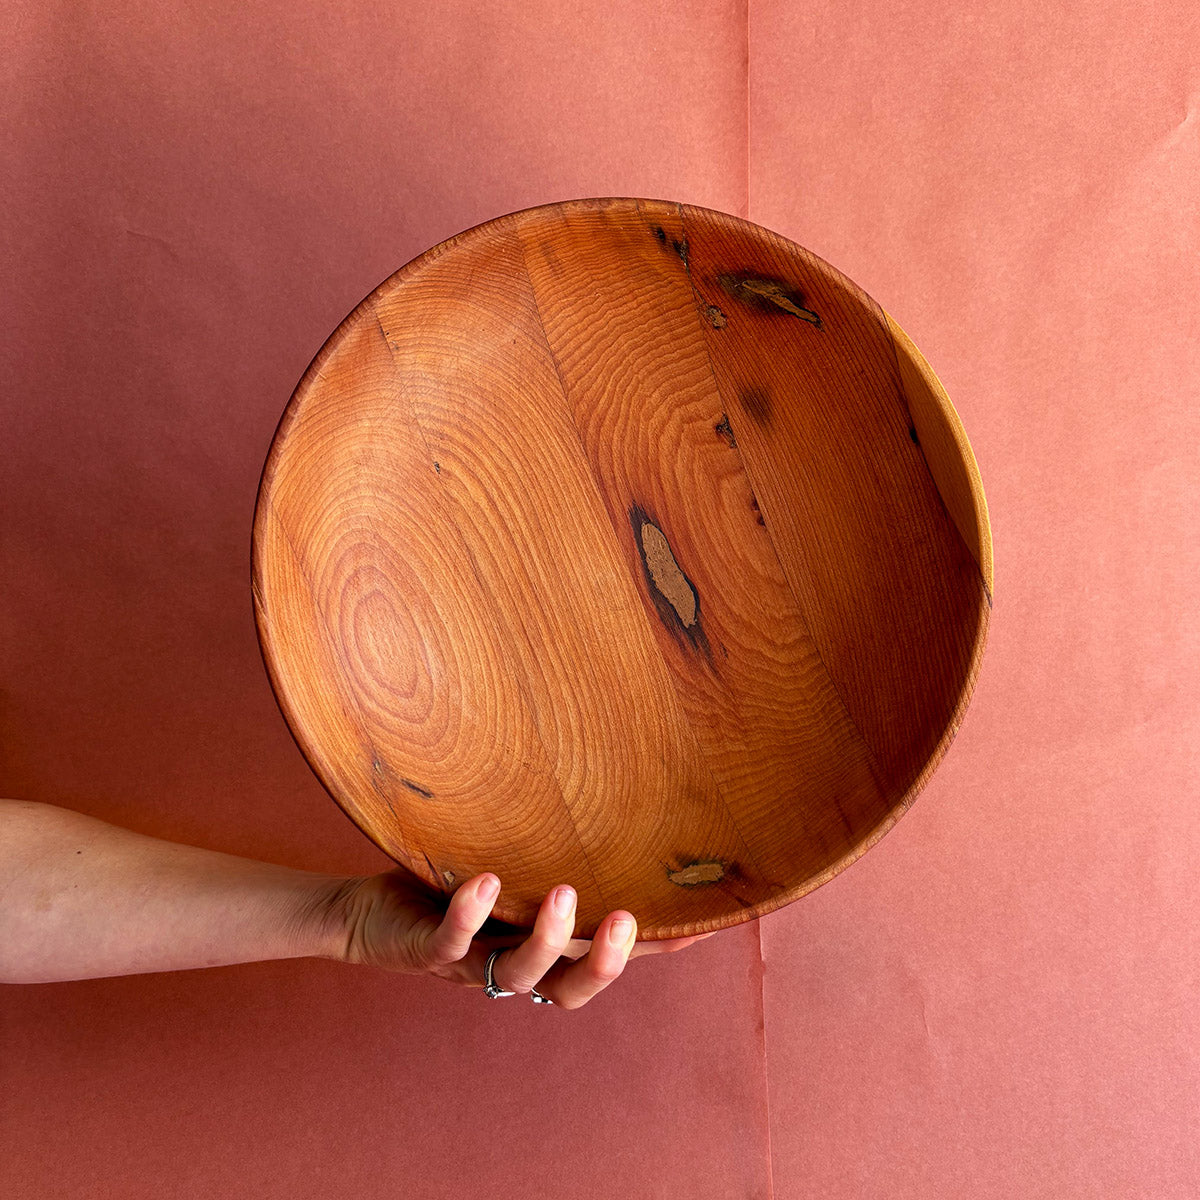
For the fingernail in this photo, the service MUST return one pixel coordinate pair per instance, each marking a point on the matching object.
(620, 930)
(489, 889)
(564, 901)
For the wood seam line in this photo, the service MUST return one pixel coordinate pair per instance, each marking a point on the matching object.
(698, 306)
(686, 724)
(522, 686)
(872, 760)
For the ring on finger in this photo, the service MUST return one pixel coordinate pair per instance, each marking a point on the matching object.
(491, 989)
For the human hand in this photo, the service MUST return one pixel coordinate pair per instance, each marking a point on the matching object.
(394, 921)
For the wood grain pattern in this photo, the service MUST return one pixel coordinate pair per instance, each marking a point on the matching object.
(622, 543)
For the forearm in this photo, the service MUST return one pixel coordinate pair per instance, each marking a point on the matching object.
(80, 899)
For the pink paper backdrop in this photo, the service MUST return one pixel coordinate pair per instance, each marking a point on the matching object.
(1000, 999)
(1004, 1001)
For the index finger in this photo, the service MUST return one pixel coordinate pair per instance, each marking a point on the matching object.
(451, 940)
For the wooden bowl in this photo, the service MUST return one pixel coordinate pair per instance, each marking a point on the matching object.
(626, 544)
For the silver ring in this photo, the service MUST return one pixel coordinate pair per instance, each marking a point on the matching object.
(538, 998)
(491, 989)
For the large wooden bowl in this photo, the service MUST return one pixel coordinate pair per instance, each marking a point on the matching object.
(627, 544)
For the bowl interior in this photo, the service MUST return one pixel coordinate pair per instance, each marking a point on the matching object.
(626, 544)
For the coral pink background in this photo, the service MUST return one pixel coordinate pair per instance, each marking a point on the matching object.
(1001, 998)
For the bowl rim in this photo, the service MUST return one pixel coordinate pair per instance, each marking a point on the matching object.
(417, 864)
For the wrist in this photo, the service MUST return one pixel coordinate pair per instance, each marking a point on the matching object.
(320, 922)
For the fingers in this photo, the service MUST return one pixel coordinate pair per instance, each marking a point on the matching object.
(572, 985)
(520, 969)
(549, 959)
(469, 908)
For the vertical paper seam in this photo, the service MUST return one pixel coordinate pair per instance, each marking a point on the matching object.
(746, 76)
(762, 1044)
